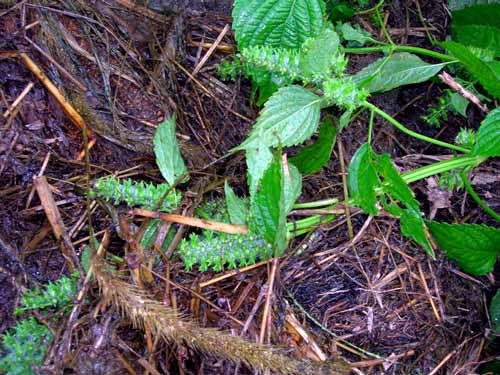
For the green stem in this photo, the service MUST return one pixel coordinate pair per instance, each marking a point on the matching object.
(478, 200)
(398, 48)
(316, 204)
(411, 133)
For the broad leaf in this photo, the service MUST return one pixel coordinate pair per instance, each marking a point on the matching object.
(495, 313)
(277, 23)
(487, 74)
(312, 158)
(267, 207)
(475, 247)
(289, 117)
(488, 136)
(168, 155)
(354, 35)
(292, 186)
(480, 14)
(480, 36)
(316, 54)
(258, 161)
(397, 70)
(460, 4)
(236, 207)
(459, 104)
(362, 180)
(412, 223)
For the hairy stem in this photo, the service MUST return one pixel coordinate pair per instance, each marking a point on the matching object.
(477, 199)
(398, 48)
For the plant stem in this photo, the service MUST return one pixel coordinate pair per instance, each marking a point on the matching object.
(316, 204)
(411, 133)
(398, 48)
(476, 198)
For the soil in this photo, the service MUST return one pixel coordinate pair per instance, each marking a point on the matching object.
(382, 298)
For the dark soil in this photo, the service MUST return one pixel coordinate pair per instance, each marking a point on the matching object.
(354, 301)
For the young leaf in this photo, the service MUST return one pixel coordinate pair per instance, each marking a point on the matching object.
(317, 53)
(289, 117)
(362, 180)
(312, 158)
(495, 313)
(236, 207)
(486, 73)
(459, 104)
(277, 23)
(168, 155)
(412, 224)
(400, 69)
(479, 14)
(267, 207)
(354, 35)
(475, 247)
(292, 186)
(488, 136)
(480, 36)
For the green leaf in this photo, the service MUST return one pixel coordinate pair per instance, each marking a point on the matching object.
(480, 14)
(412, 223)
(267, 207)
(312, 158)
(292, 186)
(258, 160)
(397, 70)
(480, 36)
(459, 104)
(316, 54)
(289, 117)
(488, 136)
(487, 74)
(168, 155)
(354, 35)
(236, 207)
(362, 180)
(277, 23)
(475, 247)
(495, 313)
(454, 5)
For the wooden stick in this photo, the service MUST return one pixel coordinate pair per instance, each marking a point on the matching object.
(447, 79)
(18, 100)
(211, 50)
(267, 306)
(233, 273)
(192, 221)
(428, 292)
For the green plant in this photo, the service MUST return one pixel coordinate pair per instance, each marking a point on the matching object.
(24, 346)
(293, 48)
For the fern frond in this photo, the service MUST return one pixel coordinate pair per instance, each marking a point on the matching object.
(142, 310)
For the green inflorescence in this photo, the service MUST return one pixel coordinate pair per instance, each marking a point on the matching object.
(344, 93)
(24, 346)
(56, 294)
(281, 61)
(146, 195)
(217, 250)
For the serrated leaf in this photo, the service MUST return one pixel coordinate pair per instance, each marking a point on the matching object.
(258, 161)
(292, 186)
(289, 117)
(168, 155)
(362, 180)
(454, 5)
(475, 247)
(479, 14)
(267, 207)
(488, 136)
(236, 207)
(412, 223)
(398, 70)
(312, 158)
(480, 36)
(495, 313)
(485, 73)
(316, 54)
(277, 23)
(354, 35)
(459, 104)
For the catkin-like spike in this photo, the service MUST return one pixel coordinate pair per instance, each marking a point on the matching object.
(344, 93)
(133, 193)
(142, 310)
